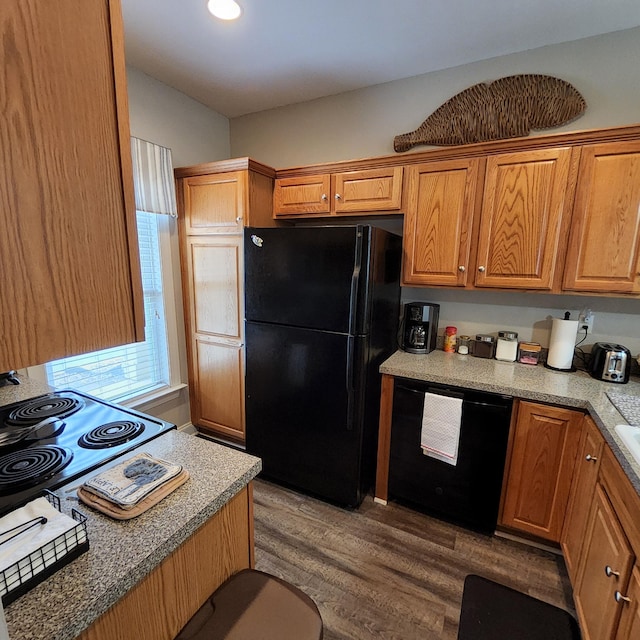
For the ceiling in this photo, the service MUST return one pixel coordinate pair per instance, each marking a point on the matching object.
(287, 51)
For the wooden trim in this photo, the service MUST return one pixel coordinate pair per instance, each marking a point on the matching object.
(589, 136)
(252, 547)
(222, 166)
(384, 437)
(126, 164)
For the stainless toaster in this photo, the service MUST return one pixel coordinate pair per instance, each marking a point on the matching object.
(610, 362)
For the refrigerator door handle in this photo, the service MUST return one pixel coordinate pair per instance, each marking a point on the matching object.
(355, 281)
(351, 341)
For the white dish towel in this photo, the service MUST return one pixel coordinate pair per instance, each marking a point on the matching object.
(440, 436)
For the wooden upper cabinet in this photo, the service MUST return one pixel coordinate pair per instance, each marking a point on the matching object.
(523, 227)
(582, 490)
(540, 469)
(68, 248)
(303, 195)
(441, 202)
(345, 193)
(604, 245)
(214, 203)
(372, 190)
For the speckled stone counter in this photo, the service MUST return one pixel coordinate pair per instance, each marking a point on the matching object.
(122, 553)
(577, 389)
(28, 388)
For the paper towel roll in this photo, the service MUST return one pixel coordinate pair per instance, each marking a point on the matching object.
(562, 344)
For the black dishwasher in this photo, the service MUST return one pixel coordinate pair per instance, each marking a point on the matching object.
(469, 492)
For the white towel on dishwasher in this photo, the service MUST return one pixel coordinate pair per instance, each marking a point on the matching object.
(441, 419)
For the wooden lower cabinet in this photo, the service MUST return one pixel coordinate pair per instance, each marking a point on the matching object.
(629, 626)
(163, 602)
(217, 401)
(585, 476)
(604, 570)
(607, 587)
(543, 448)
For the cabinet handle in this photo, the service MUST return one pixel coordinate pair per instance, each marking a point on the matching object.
(461, 268)
(323, 196)
(481, 269)
(590, 458)
(610, 572)
(338, 196)
(238, 218)
(620, 598)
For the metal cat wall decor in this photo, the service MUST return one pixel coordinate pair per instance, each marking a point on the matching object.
(506, 108)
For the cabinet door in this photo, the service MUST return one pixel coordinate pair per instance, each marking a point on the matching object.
(218, 388)
(214, 203)
(213, 310)
(584, 483)
(373, 190)
(306, 194)
(521, 237)
(68, 248)
(604, 246)
(441, 201)
(605, 569)
(543, 451)
(629, 627)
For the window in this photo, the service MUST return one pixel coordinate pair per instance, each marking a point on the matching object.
(121, 373)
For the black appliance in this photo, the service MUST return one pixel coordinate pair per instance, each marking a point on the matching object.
(420, 327)
(321, 308)
(47, 441)
(610, 362)
(469, 492)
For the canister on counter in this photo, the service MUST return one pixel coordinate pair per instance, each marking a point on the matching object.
(450, 339)
(484, 346)
(507, 346)
(464, 345)
(529, 352)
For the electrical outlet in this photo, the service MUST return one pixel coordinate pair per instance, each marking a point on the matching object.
(585, 320)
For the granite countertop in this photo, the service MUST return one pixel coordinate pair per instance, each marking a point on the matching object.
(121, 553)
(570, 389)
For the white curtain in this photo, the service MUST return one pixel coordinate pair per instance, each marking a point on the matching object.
(153, 178)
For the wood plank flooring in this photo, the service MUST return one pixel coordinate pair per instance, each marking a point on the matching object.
(386, 571)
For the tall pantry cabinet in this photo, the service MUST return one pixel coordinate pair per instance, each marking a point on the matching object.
(216, 201)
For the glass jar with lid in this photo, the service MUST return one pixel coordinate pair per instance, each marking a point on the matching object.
(484, 346)
(507, 346)
(464, 345)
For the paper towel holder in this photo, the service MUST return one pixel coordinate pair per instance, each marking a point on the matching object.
(571, 367)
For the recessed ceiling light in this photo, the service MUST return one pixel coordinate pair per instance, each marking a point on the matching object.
(224, 9)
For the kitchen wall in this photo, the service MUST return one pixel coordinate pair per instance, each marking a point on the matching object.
(363, 123)
(195, 134)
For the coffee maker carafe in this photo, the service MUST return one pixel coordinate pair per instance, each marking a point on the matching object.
(420, 327)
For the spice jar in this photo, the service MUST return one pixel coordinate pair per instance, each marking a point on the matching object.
(484, 346)
(507, 346)
(450, 339)
(529, 352)
(464, 344)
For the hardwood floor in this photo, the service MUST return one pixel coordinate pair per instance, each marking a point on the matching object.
(387, 571)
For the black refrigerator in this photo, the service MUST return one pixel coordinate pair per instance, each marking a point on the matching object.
(321, 310)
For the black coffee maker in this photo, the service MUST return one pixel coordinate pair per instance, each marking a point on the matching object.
(420, 327)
